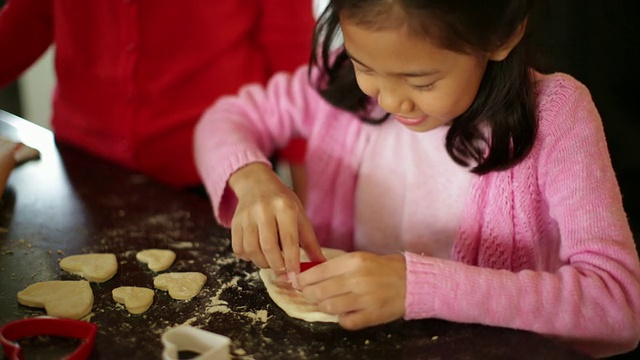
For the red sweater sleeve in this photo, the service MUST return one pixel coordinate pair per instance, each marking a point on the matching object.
(26, 31)
(286, 32)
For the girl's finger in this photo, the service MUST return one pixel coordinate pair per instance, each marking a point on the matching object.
(324, 290)
(270, 246)
(343, 304)
(332, 268)
(288, 230)
(236, 241)
(252, 247)
(357, 320)
(308, 240)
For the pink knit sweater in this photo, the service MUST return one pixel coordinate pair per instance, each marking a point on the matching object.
(544, 246)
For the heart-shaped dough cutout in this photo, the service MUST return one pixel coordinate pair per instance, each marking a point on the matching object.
(136, 299)
(157, 259)
(93, 267)
(181, 285)
(65, 299)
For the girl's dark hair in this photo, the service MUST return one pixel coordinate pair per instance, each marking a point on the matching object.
(499, 128)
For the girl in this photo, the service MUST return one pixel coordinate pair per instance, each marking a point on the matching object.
(467, 186)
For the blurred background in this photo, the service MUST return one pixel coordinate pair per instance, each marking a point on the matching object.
(30, 96)
(596, 41)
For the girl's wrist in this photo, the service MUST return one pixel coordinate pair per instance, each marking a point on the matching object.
(246, 178)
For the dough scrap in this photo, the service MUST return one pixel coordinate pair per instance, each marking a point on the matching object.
(181, 285)
(93, 267)
(136, 299)
(291, 300)
(157, 259)
(64, 299)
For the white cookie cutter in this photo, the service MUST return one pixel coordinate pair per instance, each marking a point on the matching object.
(210, 346)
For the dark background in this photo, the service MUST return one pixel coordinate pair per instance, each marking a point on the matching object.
(597, 42)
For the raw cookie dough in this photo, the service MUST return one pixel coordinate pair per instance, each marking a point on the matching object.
(157, 259)
(93, 267)
(136, 299)
(64, 299)
(181, 285)
(291, 300)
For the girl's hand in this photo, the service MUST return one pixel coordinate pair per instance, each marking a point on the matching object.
(364, 289)
(270, 224)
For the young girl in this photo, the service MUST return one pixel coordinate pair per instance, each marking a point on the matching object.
(467, 186)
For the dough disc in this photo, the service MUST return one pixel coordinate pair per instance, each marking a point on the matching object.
(291, 300)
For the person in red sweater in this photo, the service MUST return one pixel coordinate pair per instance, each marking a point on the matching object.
(134, 76)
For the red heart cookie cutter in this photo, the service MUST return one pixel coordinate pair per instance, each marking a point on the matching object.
(306, 265)
(18, 329)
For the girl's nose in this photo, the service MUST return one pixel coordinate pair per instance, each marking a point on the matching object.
(395, 103)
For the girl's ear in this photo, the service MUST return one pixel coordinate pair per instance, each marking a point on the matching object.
(501, 53)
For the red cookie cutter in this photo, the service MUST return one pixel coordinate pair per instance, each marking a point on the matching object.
(306, 265)
(18, 329)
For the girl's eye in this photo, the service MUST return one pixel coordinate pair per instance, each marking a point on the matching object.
(424, 87)
(362, 71)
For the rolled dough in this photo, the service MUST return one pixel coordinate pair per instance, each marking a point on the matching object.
(181, 285)
(291, 300)
(65, 299)
(93, 267)
(157, 259)
(136, 299)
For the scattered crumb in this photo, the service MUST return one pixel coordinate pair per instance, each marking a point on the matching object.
(190, 321)
(434, 338)
(181, 245)
(239, 352)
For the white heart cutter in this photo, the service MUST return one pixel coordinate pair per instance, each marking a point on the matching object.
(210, 346)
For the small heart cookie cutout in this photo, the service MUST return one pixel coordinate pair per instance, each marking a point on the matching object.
(65, 299)
(93, 267)
(157, 259)
(136, 299)
(181, 285)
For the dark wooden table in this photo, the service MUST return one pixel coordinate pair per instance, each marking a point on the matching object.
(69, 202)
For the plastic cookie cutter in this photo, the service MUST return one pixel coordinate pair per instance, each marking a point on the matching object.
(210, 346)
(18, 329)
(306, 265)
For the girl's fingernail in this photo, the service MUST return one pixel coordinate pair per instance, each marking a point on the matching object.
(293, 279)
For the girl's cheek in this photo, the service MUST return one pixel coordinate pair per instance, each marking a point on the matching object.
(367, 86)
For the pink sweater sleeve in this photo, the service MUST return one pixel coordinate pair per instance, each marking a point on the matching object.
(591, 299)
(238, 130)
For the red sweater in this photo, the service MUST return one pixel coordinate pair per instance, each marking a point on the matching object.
(132, 80)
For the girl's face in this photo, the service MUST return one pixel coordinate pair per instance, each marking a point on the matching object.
(423, 86)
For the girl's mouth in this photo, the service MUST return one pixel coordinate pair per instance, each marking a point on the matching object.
(410, 121)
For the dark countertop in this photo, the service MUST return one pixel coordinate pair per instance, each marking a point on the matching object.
(69, 202)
